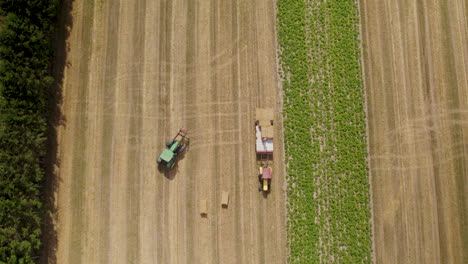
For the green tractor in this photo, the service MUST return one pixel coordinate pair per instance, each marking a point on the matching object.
(174, 147)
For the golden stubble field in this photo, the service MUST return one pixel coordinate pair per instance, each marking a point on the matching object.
(416, 76)
(136, 72)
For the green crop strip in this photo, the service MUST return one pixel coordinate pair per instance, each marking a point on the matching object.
(325, 132)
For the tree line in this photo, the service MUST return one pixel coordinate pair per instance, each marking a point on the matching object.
(27, 30)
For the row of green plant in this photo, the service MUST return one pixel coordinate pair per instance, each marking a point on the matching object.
(325, 132)
(26, 35)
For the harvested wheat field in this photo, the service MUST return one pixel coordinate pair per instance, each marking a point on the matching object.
(136, 72)
(416, 75)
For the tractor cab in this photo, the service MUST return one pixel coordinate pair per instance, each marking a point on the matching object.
(264, 176)
(167, 157)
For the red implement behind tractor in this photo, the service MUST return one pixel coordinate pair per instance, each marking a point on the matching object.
(264, 146)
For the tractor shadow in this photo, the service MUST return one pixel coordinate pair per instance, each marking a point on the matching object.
(168, 173)
(264, 194)
(171, 173)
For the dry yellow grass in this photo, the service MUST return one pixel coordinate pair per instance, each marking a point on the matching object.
(137, 71)
(416, 75)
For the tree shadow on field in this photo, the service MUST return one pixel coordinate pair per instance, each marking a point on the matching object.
(64, 24)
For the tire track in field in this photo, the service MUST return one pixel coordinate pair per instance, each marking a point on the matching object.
(215, 173)
(459, 131)
(228, 171)
(223, 174)
(198, 162)
(262, 96)
(237, 166)
(78, 170)
(450, 177)
(135, 150)
(246, 95)
(416, 150)
(190, 95)
(258, 204)
(177, 183)
(108, 110)
(163, 80)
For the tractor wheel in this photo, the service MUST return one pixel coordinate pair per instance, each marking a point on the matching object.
(180, 149)
(169, 143)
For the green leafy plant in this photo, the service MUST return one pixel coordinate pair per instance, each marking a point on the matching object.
(325, 132)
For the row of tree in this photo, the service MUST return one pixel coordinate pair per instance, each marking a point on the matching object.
(27, 30)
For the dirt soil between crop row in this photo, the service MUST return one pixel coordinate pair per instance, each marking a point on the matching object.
(136, 72)
(416, 75)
